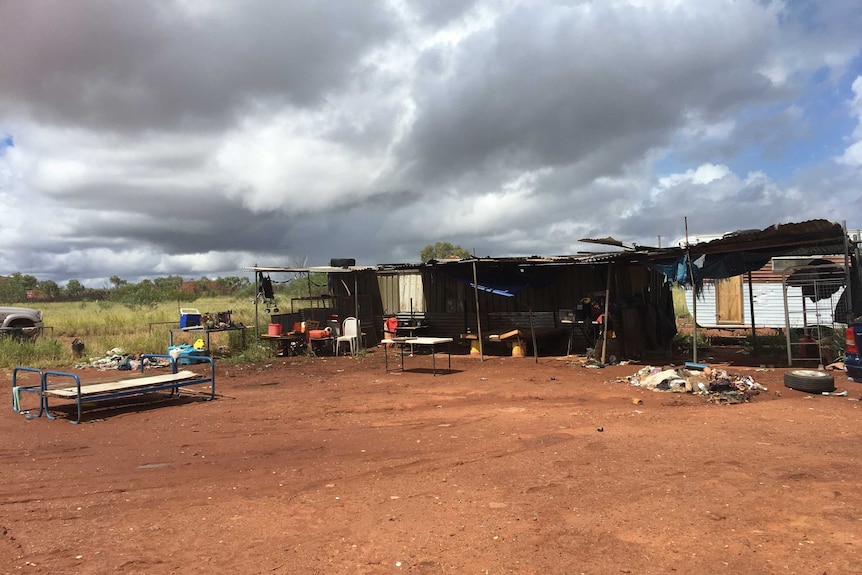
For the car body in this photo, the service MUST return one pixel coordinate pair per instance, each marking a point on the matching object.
(20, 321)
(852, 347)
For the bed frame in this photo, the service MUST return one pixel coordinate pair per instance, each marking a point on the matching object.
(57, 385)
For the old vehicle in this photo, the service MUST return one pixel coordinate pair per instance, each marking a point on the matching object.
(852, 357)
(21, 322)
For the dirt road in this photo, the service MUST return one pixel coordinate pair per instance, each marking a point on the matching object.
(333, 465)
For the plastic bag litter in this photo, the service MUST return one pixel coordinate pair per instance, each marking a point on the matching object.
(714, 382)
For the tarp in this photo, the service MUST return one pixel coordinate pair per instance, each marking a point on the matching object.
(747, 251)
(711, 266)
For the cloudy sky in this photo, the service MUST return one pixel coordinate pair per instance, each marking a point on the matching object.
(198, 137)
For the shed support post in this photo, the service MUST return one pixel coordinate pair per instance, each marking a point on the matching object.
(754, 344)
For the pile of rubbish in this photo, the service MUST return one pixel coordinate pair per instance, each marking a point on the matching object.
(117, 358)
(716, 384)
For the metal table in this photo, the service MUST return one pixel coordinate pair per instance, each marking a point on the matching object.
(206, 333)
(589, 329)
(431, 342)
(288, 342)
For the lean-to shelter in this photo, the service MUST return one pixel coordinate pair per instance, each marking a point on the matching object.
(551, 305)
(793, 277)
(561, 298)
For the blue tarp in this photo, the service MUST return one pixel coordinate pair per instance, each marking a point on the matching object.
(711, 266)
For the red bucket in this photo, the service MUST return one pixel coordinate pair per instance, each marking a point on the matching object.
(274, 329)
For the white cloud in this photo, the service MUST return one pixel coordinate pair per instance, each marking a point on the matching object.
(216, 132)
(709, 173)
(852, 155)
(273, 165)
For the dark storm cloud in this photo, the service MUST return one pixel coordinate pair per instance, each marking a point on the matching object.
(551, 87)
(141, 66)
(196, 137)
(440, 12)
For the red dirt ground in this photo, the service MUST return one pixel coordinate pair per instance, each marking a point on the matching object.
(333, 465)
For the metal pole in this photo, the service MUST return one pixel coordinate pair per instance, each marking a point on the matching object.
(857, 256)
(751, 312)
(359, 341)
(787, 317)
(478, 320)
(693, 296)
(256, 298)
(848, 284)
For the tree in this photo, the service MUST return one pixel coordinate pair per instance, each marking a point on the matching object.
(441, 251)
(14, 288)
(49, 288)
(169, 283)
(75, 289)
(231, 284)
(10, 291)
(118, 282)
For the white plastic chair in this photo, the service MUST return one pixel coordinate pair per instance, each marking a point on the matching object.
(349, 334)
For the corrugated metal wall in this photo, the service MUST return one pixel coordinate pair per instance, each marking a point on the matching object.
(401, 292)
(768, 297)
(390, 295)
(450, 308)
(444, 294)
(768, 307)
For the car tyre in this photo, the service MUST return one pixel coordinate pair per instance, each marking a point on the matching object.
(809, 380)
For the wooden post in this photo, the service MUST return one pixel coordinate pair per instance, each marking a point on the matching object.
(605, 320)
(533, 333)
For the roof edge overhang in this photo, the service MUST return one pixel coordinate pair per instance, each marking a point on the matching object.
(309, 269)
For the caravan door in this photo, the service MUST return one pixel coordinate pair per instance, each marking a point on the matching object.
(728, 301)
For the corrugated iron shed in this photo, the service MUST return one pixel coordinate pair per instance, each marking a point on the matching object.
(820, 234)
(309, 269)
(810, 237)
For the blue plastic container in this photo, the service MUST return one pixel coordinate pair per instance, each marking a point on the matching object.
(187, 353)
(189, 317)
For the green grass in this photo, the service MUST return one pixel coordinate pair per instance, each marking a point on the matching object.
(85, 319)
(103, 326)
